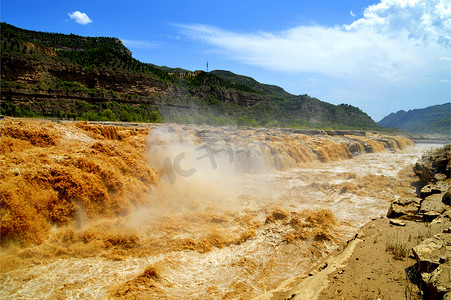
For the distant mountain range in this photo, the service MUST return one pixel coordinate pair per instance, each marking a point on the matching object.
(432, 119)
(96, 78)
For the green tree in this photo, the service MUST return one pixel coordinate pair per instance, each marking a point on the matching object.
(91, 116)
(109, 114)
(125, 116)
(155, 117)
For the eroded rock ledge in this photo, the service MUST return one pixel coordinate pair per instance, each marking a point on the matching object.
(433, 254)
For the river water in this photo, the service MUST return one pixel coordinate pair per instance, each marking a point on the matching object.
(214, 233)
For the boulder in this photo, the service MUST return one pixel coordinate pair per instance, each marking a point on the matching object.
(439, 282)
(443, 185)
(431, 253)
(440, 177)
(432, 203)
(442, 161)
(356, 148)
(429, 189)
(408, 200)
(424, 169)
(443, 221)
(430, 216)
(405, 207)
(432, 163)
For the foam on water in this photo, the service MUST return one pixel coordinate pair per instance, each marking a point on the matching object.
(221, 232)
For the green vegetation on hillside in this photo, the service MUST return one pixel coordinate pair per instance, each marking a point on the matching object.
(433, 119)
(52, 75)
(103, 111)
(98, 53)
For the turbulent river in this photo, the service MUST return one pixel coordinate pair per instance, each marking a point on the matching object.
(212, 230)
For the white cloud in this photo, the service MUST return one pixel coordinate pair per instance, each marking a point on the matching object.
(392, 37)
(426, 21)
(393, 51)
(352, 14)
(317, 49)
(80, 18)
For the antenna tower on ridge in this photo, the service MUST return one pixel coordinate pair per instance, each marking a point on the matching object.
(207, 66)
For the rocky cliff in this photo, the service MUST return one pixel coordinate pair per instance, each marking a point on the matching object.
(45, 74)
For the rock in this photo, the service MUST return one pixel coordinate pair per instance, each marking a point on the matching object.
(428, 190)
(356, 148)
(439, 282)
(442, 220)
(439, 177)
(312, 273)
(433, 163)
(323, 266)
(442, 161)
(405, 207)
(431, 253)
(408, 200)
(360, 235)
(443, 185)
(397, 223)
(441, 224)
(430, 216)
(423, 168)
(447, 296)
(432, 203)
(447, 197)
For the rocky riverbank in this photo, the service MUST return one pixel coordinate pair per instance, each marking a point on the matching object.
(406, 255)
(432, 254)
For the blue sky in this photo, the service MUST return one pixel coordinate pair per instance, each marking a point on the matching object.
(381, 56)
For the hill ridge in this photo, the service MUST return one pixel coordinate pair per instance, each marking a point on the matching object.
(96, 78)
(431, 119)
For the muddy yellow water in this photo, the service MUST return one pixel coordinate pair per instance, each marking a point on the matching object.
(173, 212)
